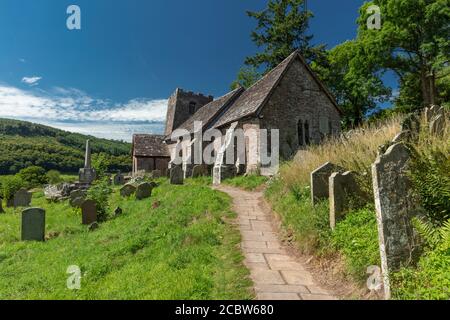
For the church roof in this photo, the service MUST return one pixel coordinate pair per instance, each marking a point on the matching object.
(255, 97)
(147, 145)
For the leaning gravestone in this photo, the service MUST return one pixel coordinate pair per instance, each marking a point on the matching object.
(33, 224)
(437, 125)
(88, 212)
(343, 190)
(395, 205)
(176, 175)
(77, 198)
(22, 198)
(412, 124)
(320, 187)
(119, 179)
(144, 191)
(127, 190)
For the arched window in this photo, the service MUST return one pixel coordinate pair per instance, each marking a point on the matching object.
(307, 137)
(192, 107)
(300, 133)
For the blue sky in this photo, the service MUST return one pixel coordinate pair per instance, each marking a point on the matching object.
(112, 77)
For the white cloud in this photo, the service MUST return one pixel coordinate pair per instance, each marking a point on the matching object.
(32, 81)
(73, 105)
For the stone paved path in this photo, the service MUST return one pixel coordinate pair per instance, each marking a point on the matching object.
(276, 274)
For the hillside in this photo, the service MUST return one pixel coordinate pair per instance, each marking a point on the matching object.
(24, 144)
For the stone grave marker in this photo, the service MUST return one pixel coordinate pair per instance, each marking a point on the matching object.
(176, 175)
(22, 198)
(437, 125)
(77, 198)
(156, 174)
(395, 205)
(119, 179)
(320, 179)
(88, 212)
(343, 189)
(33, 224)
(144, 191)
(199, 171)
(412, 124)
(127, 190)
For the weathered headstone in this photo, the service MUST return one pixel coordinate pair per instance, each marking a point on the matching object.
(156, 174)
(127, 190)
(199, 171)
(144, 191)
(22, 198)
(77, 198)
(344, 192)
(395, 205)
(437, 125)
(88, 212)
(119, 179)
(33, 224)
(176, 175)
(87, 174)
(403, 136)
(412, 124)
(320, 179)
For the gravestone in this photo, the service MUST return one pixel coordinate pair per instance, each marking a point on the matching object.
(200, 171)
(87, 175)
(156, 174)
(33, 224)
(345, 193)
(88, 212)
(437, 125)
(403, 136)
(77, 198)
(22, 198)
(412, 124)
(119, 179)
(127, 190)
(144, 191)
(395, 205)
(320, 179)
(176, 175)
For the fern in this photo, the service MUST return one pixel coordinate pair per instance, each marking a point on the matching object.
(434, 237)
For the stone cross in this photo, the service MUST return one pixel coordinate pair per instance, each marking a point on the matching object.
(395, 205)
(88, 212)
(320, 188)
(33, 224)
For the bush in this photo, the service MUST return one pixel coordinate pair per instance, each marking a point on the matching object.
(10, 185)
(54, 177)
(33, 176)
(100, 193)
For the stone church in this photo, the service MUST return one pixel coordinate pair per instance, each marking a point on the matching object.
(290, 98)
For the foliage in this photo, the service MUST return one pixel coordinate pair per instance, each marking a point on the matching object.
(356, 237)
(181, 250)
(250, 182)
(33, 176)
(358, 89)
(414, 42)
(100, 193)
(430, 174)
(281, 29)
(433, 236)
(101, 164)
(246, 77)
(54, 177)
(10, 185)
(25, 144)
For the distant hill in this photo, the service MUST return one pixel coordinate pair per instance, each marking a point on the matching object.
(24, 143)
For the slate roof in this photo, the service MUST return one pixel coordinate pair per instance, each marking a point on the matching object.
(147, 145)
(255, 97)
(212, 110)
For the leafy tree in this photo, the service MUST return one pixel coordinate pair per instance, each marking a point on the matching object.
(54, 177)
(100, 193)
(414, 42)
(33, 176)
(281, 29)
(101, 164)
(10, 185)
(357, 87)
(247, 76)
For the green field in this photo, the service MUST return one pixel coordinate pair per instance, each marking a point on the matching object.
(184, 249)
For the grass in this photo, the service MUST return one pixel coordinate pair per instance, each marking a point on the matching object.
(184, 249)
(250, 183)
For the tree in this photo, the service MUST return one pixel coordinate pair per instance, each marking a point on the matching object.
(356, 86)
(282, 29)
(247, 76)
(413, 42)
(33, 176)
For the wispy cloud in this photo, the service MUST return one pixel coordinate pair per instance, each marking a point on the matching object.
(32, 81)
(75, 108)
